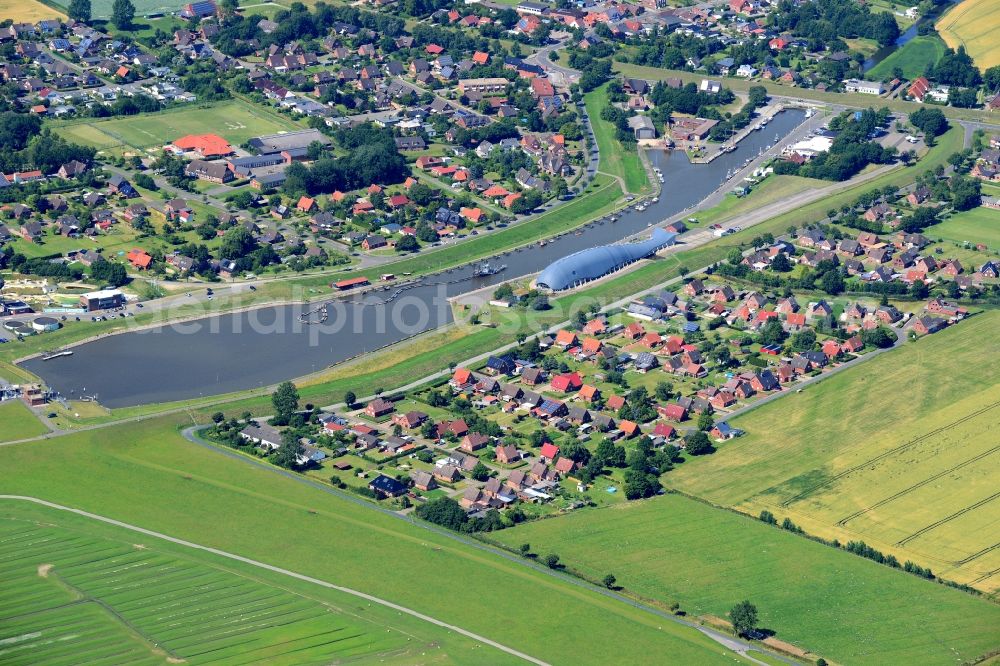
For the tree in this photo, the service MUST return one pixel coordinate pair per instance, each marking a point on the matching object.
(991, 78)
(525, 549)
(218, 417)
(832, 283)
(285, 400)
(705, 421)
(929, 121)
(744, 618)
(697, 443)
(552, 561)
(122, 13)
(443, 511)
(109, 272)
(480, 472)
(880, 337)
(609, 581)
(772, 333)
(79, 10)
(350, 398)
(289, 450)
(780, 263)
(407, 244)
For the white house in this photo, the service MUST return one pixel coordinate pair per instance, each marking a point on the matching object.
(865, 87)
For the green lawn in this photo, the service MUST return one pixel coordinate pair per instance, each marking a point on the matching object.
(913, 58)
(837, 605)
(235, 121)
(979, 225)
(164, 483)
(899, 452)
(616, 159)
(80, 591)
(18, 422)
(772, 189)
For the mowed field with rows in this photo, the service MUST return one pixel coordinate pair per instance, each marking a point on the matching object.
(234, 121)
(837, 605)
(902, 452)
(975, 25)
(71, 598)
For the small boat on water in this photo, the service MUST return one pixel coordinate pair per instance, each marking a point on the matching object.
(53, 355)
(486, 269)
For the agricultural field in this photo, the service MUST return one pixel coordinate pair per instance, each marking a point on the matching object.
(913, 58)
(900, 452)
(973, 24)
(674, 549)
(101, 9)
(136, 605)
(165, 483)
(74, 597)
(17, 422)
(614, 158)
(27, 11)
(234, 121)
(979, 225)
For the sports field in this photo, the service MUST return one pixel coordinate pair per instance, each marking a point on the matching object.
(27, 11)
(979, 225)
(17, 422)
(162, 482)
(839, 606)
(72, 597)
(913, 58)
(974, 24)
(234, 121)
(902, 452)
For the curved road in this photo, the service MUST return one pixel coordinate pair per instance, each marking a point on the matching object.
(284, 572)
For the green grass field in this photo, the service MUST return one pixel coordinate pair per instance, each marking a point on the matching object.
(913, 58)
(771, 190)
(234, 121)
(164, 483)
(101, 9)
(839, 606)
(615, 159)
(901, 452)
(973, 24)
(72, 597)
(979, 225)
(17, 422)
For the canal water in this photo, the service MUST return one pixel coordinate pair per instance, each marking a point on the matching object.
(246, 350)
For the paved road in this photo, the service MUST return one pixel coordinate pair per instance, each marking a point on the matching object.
(284, 572)
(737, 645)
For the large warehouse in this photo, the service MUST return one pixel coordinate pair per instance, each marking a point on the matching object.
(595, 262)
